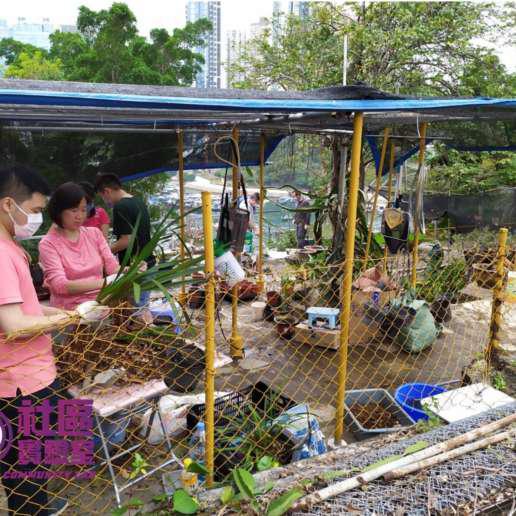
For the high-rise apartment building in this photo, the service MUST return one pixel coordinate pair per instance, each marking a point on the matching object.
(35, 33)
(210, 75)
(235, 41)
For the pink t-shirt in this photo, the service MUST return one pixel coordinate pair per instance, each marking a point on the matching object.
(98, 220)
(27, 364)
(63, 260)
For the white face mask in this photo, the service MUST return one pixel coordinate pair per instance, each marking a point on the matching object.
(34, 221)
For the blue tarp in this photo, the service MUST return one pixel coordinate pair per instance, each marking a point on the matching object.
(58, 98)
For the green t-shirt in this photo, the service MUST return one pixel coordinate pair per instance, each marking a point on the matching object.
(125, 216)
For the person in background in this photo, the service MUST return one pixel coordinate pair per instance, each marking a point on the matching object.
(96, 217)
(27, 364)
(129, 212)
(253, 202)
(252, 231)
(301, 219)
(75, 259)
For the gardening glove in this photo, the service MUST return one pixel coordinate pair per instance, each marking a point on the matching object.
(111, 278)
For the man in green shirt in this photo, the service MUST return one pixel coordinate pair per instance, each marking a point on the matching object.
(128, 212)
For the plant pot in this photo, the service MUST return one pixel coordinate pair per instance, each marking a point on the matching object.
(247, 291)
(285, 331)
(196, 297)
(484, 275)
(273, 299)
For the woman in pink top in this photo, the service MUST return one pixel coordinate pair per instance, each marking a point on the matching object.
(95, 217)
(75, 259)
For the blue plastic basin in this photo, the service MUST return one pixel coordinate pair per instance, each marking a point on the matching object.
(409, 396)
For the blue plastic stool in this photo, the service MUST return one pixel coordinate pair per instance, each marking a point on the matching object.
(330, 315)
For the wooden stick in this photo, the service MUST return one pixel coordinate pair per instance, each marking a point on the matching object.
(358, 480)
(437, 459)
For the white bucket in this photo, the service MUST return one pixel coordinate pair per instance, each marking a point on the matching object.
(257, 310)
(229, 268)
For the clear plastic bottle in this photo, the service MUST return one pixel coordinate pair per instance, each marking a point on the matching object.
(198, 444)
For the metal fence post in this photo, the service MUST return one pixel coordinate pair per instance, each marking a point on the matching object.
(421, 157)
(236, 341)
(261, 282)
(356, 151)
(209, 328)
(181, 178)
(498, 296)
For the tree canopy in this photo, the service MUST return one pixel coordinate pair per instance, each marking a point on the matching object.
(108, 48)
(412, 48)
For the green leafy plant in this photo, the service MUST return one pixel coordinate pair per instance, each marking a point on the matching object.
(433, 421)
(167, 274)
(184, 503)
(498, 381)
(139, 466)
(441, 280)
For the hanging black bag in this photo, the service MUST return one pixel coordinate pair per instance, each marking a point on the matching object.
(233, 221)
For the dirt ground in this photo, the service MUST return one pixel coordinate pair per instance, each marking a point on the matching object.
(309, 374)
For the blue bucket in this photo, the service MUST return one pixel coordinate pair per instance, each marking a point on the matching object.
(409, 396)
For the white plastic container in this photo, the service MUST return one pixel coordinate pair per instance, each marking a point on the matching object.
(229, 268)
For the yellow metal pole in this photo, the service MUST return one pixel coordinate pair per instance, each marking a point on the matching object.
(498, 296)
(261, 281)
(421, 158)
(389, 193)
(236, 342)
(386, 132)
(181, 177)
(356, 151)
(209, 329)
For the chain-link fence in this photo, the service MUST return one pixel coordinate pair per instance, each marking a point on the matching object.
(124, 410)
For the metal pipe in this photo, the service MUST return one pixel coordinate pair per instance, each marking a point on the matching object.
(421, 158)
(236, 342)
(356, 151)
(392, 157)
(182, 235)
(259, 265)
(498, 297)
(386, 132)
(209, 328)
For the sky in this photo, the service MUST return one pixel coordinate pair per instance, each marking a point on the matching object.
(236, 15)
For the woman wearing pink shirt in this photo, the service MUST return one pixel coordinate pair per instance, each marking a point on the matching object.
(75, 259)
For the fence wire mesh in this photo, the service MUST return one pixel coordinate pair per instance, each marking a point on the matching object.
(143, 383)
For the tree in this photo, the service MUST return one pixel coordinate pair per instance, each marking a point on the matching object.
(10, 50)
(417, 48)
(35, 66)
(106, 48)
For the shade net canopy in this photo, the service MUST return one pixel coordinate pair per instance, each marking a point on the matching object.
(131, 130)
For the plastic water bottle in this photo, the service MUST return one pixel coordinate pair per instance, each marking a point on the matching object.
(198, 444)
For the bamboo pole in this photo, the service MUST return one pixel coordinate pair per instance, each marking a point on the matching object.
(421, 158)
(182, 235)
(358, 480)
(236, 342)
(386, 132)
(356, 150)
(389, 193)
(261, 281)
(498, 297)
(452, 454)
(209, 328)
